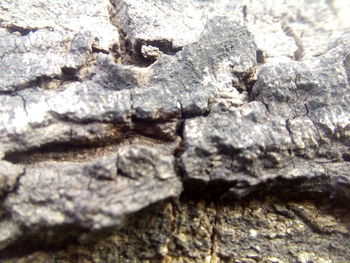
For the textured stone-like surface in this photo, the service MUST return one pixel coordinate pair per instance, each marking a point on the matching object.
(294, 116)
(108, 107)
(97, 194)
(280, 28)
(41, 39)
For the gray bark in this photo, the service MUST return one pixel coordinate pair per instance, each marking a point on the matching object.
(172, 131)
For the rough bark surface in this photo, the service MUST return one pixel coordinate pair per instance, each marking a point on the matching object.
(174, 131)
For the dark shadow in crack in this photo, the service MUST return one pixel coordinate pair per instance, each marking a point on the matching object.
(46, 240)
(24, 31)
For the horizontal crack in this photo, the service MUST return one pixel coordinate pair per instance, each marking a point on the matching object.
(82, 151)
(24, 31)
(294, 188)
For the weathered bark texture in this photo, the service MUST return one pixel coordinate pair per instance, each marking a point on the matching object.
(174, 131)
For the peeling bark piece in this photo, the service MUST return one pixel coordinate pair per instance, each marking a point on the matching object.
(235, 145)
(203, 72)
(93, 195)
(59, 116)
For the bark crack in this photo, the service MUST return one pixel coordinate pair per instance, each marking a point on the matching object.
(213, 235)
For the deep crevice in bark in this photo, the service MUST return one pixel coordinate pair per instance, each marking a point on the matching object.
(24, 31)
(87, 150)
